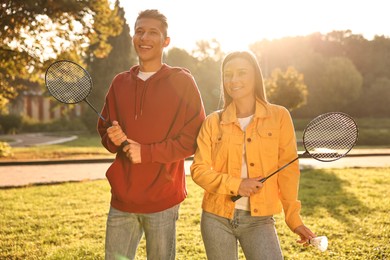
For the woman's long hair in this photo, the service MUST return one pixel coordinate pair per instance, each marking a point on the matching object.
(259, 85)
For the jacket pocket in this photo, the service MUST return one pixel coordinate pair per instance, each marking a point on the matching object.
(219, 147)
(269, 141)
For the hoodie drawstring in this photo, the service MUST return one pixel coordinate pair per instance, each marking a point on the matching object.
(142, 98)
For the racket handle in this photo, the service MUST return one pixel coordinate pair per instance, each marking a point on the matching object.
(235, 198)
(125, 143)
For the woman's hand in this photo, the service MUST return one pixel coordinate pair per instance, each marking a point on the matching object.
(250, 186)
(305, 234)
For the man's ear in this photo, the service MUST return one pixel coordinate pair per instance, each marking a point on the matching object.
(166, 41)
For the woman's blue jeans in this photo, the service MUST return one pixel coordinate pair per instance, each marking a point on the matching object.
(124, 232)
(257, 236)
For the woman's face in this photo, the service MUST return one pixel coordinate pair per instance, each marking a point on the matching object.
(239, 79)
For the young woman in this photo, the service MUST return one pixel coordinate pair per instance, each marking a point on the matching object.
(246, 141)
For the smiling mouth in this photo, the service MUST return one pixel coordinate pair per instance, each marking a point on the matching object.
(145, 47)
(235, 88)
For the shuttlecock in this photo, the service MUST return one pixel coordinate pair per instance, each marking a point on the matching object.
(319, 242)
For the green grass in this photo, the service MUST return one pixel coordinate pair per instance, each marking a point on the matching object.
(67, 221)
(85, 146)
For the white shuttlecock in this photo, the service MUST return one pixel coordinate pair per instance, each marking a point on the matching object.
(319, 242)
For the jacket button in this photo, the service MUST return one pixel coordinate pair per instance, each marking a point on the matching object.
(255, 210)
(269, 134)
(249, 140)
(231, 192)
(252, 164)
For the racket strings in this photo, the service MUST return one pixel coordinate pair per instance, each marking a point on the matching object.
(330, 136)
(68, 82)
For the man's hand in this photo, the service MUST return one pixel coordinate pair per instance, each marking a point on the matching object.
(116, 134)
(133, 151)
(250, 186)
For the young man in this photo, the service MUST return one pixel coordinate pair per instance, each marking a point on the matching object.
(158, 110)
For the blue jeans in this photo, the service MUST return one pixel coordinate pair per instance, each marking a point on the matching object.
(124, 232)
(257, 236)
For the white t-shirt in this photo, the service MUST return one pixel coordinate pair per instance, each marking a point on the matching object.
(243, 203)
(145, 75)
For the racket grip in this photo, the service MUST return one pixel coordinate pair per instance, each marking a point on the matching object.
(235, 198)
(125, 143)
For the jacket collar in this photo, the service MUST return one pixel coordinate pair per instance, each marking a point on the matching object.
(229, 115)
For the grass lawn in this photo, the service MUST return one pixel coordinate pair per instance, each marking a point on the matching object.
(85, 147)
(67, 221)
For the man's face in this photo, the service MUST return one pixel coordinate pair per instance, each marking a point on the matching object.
(149, 40)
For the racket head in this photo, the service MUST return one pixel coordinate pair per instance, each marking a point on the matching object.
(68, 82)
(330, 136)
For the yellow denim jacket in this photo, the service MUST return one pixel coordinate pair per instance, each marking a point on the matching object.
(270, 144)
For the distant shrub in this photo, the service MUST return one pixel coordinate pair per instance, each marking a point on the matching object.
(5, 150)
(60, 125)
(10, 124)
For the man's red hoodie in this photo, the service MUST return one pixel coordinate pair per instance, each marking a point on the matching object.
(163, 114)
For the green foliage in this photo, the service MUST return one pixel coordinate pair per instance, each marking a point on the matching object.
(375, 99)
(5, 150)
(104, 69)
(340, 79)
(374, 131)
(287, 89)
(32, 33)
(59, 125)
(10, 123)
(205, 69)
(67, 221)
(343, 71)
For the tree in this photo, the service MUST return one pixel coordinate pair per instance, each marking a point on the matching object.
(335, 87)
(208, 73)
(376, 99)
(204, 65)
(32, 33)
(103, 70)
(287, 89)
(181, 58)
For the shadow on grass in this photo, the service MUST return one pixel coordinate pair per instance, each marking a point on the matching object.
(322, 189)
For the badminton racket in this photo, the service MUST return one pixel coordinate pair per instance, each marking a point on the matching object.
(69, 83)
(328, 137)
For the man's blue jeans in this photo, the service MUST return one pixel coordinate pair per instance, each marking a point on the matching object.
(257, 236)
(124, 232)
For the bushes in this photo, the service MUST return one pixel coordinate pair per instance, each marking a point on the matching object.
(10, 124)
(5, 150)
(60, 125)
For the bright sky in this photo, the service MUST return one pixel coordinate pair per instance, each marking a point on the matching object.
(236, 24)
